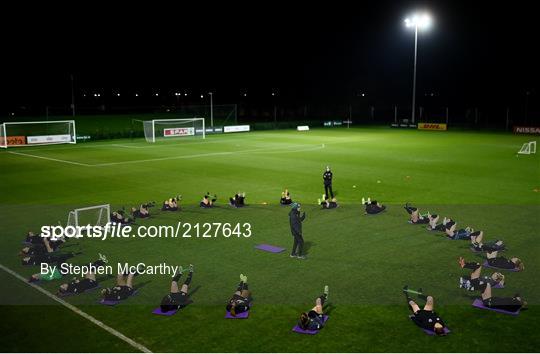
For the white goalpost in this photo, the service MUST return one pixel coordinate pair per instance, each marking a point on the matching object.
(528, 148)
(167, 129)
(13, 134)
(97, 215)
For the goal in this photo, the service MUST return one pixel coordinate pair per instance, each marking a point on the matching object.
(14, 134)
(528, 148)
(97, 215)
(168, 129)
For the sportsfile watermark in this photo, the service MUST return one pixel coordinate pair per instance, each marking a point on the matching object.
(180, 230)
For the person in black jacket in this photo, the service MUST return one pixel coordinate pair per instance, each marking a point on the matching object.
(295, 220)
(327, 178)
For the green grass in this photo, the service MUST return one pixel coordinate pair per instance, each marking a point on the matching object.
(474, 178)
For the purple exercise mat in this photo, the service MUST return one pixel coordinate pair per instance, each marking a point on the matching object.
(239, 316)
(116, 302)
(479, 304)
(158, 311)
(269, 248)
(486, 264)
(86, 291)
(297, 329)
(429, 332)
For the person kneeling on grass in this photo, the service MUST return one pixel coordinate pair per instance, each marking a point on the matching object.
(122, 290)
(240, 300)
(329, 203)
(314, 319)
(285, 198)
(238, 200)
(178, 297)
(79, 286)
(510, 304)
(373, 207)
(503, 263)
(208, 201)
(475, 281)
(425, 318)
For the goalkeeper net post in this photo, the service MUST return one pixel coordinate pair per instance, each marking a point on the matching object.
(13, 134)
(157, 129)
(97, 215)
(528, 148)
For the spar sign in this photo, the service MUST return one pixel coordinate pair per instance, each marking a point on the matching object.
(170, 132)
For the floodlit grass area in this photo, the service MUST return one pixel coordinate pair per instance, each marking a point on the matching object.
(475, 178)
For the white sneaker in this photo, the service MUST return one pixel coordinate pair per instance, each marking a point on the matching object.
(363, 201)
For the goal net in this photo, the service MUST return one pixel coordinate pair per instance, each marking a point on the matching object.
(14, 134)
(97, 215)
(528, 148)
(168, 129)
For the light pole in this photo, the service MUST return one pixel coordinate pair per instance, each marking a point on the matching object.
(417, 22)
(72, 97)
(211, 109)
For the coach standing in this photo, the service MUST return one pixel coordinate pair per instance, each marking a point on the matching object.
(296, 229)
(327, 178)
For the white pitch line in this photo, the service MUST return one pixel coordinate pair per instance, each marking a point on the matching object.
(259, 150)
(50, 159)
(186, 156)
(79, 312)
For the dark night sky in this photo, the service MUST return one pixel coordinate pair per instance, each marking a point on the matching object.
(476, 52)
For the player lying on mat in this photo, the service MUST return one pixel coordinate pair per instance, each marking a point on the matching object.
(329, 203)
(208, 200)
(178, 296)
(240, 300)
(461, 234)
(122, 290)
(32, 238)
(313, 320)
(172, 204)
(46, 246)
(143, 211)
(503, 263)
(479, 246)
(425, 318)
(476, 281)
(510, 304)
(78, 286)
(51, 258)
(417, 218)
(120, 217)
(285, 198)
(372, 206)
(446, 223)
(238, 200)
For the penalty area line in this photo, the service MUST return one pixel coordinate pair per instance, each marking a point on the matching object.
(50, 159)
(79, 312)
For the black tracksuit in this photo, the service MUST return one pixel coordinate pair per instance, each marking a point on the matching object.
(296, 229)
(327, 177)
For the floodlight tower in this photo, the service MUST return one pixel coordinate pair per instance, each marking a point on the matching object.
(211, 94)
(418, 22)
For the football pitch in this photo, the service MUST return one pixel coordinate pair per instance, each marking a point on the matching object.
(475, 178)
